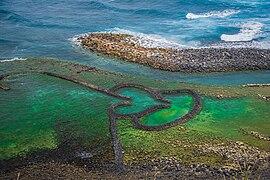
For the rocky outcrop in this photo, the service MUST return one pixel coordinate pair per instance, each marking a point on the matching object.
(125, 47)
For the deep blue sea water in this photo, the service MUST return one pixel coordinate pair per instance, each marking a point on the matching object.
(44, 28)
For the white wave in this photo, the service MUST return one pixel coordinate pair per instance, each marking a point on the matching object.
(76, 39)
(13, 59)
(149, 40)
(144, 40)
(248, 32)
(219, 14)
(157, 41)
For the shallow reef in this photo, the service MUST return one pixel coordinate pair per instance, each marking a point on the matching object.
(56, 119)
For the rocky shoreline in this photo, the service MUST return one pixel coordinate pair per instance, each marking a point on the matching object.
(64, 162)
(129, 48)
(165, 168)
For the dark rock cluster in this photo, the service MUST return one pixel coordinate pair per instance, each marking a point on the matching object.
(183, 60)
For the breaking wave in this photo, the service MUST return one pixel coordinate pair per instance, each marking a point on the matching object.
(243, 39)
(149, 40)
(248, 32)
(144, 40)
(218, 14)
(13, 59)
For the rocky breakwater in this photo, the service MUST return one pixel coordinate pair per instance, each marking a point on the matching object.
(130, 48)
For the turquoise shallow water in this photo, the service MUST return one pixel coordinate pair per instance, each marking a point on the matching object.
(44, 29)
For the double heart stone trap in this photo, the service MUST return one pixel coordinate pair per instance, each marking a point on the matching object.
(127, 101)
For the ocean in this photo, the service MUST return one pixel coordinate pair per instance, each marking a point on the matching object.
(46, 29)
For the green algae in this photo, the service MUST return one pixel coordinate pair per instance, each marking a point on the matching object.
(228, 117)
(30, 111)
(179, 107)
(220, 120)
(140, 101)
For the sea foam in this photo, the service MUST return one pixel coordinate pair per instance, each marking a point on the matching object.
(144, 40)
(248, 32)
(76, 39)
(218, 14)
(157, 41)
(149, 40)
(13, 59)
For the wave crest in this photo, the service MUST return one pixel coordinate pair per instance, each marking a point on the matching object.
(144, 40)
(13, 59)
(149, 40)
(219, 14)
(248, 32)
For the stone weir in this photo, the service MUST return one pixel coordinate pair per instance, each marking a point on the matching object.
(112, 110)
(129, 48)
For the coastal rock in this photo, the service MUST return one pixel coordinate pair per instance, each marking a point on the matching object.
(128, 48)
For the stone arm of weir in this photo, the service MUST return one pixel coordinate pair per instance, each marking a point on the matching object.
(135, 117)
